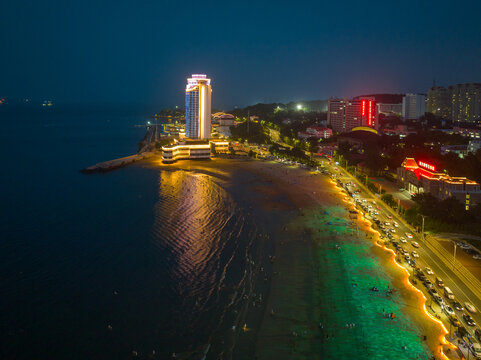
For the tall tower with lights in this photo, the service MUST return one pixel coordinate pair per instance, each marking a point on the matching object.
(198, 93)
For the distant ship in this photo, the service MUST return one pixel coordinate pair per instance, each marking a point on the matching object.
(47, 103)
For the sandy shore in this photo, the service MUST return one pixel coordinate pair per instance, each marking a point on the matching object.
(287, 197)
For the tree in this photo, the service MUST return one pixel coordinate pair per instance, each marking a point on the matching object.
(388, 199)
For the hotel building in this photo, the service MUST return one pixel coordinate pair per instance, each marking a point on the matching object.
(198, 107)
(197, 143)
(343, 115)
(422, 177)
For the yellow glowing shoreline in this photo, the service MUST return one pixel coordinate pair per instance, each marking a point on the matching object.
(421, 296)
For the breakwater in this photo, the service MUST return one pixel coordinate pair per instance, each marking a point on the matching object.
(116, 163)
(146, 150)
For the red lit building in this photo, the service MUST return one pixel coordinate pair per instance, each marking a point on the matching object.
(421, 176)
(343, 115)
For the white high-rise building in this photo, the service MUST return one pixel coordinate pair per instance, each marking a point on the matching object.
(198, 107)
(414, 106)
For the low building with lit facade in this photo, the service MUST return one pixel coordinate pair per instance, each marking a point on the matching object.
(460, 150)
(389, 109)
(422, 177)
(343, 115)
(473, 133)
(316, 132)
(188, 149)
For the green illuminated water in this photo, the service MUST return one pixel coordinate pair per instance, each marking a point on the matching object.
(324, 286)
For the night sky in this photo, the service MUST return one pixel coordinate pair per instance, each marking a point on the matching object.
(140, 52)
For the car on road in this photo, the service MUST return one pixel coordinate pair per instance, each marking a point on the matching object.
(403, 239)
(470, 307)
(432, 291)
(439, 300)
(457, 306)
(454, 320)
(439, 282)
(469, 320)
(420, 275)
(407, 257)
(428, 271)
(428, 284)
(389, 216)
(477, 256)
(387, 223)
(448, 310)
(409, 235)
(414, 254)
(415, 244)
(393, 230)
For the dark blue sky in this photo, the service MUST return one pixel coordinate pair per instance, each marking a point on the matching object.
(141, 52)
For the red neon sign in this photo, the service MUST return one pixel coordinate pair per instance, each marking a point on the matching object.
(369, 118)
(427, 166)
(363, 108)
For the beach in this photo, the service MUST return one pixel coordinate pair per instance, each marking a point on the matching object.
(315, 272)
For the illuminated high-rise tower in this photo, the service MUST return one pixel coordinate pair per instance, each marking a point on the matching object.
(197, 107)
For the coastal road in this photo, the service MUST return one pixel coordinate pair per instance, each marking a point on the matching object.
(464, 291)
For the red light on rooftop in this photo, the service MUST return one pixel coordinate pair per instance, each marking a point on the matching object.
(369, 119)
(427, 166)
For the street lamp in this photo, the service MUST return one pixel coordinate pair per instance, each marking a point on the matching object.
(454, 255)
(422, 231)
(299, 107)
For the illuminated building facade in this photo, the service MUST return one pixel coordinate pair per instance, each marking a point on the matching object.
(423, 177)
(343, 115)
(198, 107)
(318, 132)
(466, 102)
(413, 106)
(439, 102)
(460, 103)
(193, 150)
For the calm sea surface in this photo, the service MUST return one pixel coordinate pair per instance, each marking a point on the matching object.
(100, 266)
(141, 263)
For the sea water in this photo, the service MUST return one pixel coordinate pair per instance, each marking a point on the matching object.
(145, 263)
(134, 262)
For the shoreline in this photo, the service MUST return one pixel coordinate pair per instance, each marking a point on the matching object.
(301, 193)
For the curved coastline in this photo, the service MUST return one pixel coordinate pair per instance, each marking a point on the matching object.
(435, 342)
(290, 191)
